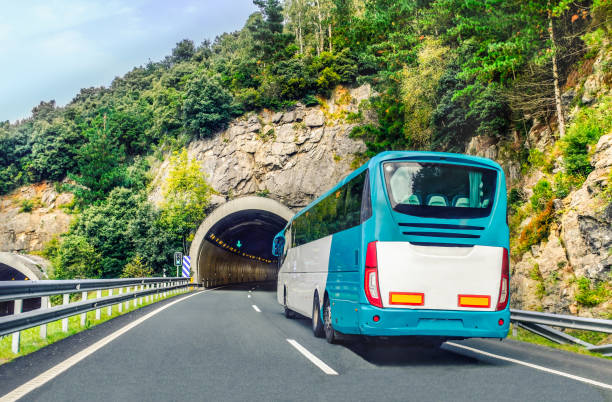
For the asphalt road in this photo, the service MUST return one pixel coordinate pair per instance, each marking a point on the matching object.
(216, 345)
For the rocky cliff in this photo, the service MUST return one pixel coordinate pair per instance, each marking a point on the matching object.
(292, 156)
(570, 270)
(31, 216)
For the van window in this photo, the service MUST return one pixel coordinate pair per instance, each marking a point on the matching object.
(440, 190)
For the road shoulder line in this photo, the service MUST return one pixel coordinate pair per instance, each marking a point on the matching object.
(533, 366)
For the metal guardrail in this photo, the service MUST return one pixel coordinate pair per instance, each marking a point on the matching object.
(17, 291)
(541, 323)
(14, 290)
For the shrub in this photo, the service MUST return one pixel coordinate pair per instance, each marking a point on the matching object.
(136, 268)
(542, 194)
(589, 295)
(590, 124)
(537, 229)
(516, 198)
(26, 206)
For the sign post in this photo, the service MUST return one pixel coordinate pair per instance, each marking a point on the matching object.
(178, 261)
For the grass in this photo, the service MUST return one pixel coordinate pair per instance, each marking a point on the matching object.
(31, 340)
(526, 336)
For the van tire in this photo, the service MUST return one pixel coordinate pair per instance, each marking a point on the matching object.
(317, 324)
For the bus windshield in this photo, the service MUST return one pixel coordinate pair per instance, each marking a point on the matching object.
(440, 190)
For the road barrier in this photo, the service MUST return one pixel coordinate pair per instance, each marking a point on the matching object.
(541, 323)
(135, 289)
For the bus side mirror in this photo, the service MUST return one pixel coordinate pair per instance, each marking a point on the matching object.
(278, 246)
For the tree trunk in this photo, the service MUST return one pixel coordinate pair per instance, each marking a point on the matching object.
(329, 36)
(300, 39)
(560, 117)
(321, 38)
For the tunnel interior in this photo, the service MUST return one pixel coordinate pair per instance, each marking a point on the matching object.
(238, 248)
(8, 273)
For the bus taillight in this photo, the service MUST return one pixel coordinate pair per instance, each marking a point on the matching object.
(372, 290)
(503, 287)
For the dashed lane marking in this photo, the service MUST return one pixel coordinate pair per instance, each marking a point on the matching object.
(314, 359)
(53, 372)
(256, 308)
(534, 366)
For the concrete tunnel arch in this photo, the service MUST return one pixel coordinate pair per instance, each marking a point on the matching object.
(216, 258)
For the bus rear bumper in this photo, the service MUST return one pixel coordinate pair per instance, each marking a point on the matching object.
(443, 323)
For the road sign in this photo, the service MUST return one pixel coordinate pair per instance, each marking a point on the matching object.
(186, 266)
(238, 244)
(178, 259)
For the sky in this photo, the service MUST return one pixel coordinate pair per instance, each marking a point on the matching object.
(50, 49)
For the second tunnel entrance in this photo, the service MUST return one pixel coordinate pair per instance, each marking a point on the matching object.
(234, 243)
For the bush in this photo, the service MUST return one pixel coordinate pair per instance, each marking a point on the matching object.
(590, 124)
(26, 206)
(537, 229)
(542, 194)
(589, 295)
(516, 198)
(75, 258)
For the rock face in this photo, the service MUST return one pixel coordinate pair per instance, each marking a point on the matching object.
(22, 230)
(579, 246)
(292, 156)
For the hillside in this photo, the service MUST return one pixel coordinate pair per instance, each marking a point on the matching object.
(524, 83)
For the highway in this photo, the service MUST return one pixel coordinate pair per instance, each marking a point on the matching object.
(234, 343)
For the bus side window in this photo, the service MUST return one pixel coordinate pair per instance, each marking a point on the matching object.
(366, 201)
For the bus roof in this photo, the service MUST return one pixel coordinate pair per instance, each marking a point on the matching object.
(392, 155)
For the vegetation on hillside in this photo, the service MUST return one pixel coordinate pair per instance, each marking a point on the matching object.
(444, 71)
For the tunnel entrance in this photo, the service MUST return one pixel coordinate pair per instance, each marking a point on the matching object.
(234, 243)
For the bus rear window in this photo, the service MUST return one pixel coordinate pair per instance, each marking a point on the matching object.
(440, 190)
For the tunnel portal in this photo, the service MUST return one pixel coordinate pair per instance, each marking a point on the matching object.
(234, 243)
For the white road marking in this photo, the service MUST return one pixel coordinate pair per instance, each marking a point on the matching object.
(534, 366)
(53, 372)
(256, 308)
(314, 359)
(249, 296)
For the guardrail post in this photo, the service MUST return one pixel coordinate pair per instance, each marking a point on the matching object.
(109, 310)
(44, 303)
(120, 307)
(127, 302)
(16, 335)
(84, 315)
(514, 329)
(134, 301)
(147, 296)
(140, 298)
(98, 296)
(65, 301)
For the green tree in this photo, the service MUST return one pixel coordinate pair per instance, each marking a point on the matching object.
(99, 164)
(186, 197)
(207, 106)
(75, 258)
(183, 51)
(136, 268)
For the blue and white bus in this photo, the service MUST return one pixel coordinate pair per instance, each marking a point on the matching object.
(410, 244)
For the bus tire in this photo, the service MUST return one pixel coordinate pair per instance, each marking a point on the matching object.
(288, 312)
(317, 323)
(330, 333)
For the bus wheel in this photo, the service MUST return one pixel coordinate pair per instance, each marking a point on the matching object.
(330, 333)
(317, 324)
(288, 312)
